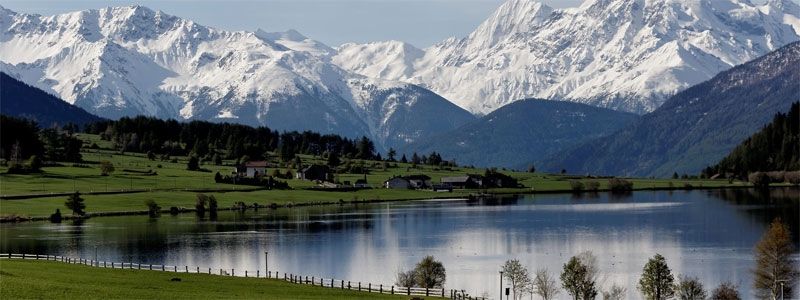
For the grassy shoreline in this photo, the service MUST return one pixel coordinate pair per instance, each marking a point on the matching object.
(32, 279)
(25, 197)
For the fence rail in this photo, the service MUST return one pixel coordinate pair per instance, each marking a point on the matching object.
(290, 277)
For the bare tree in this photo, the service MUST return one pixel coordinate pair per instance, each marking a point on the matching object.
(518, 276)
(614, 293)
(775, 269)
(544, 285)
(405, 279)
(689, 288)
(725, 291)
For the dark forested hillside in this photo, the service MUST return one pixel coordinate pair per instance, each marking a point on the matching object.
(775, 148)
(21, 100)
(696, 127)
(523, 132)
(207, 139)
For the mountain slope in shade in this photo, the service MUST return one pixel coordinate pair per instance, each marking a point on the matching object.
(524, 132)
(18, 99)
(125, 61)
(696, 127)
(627, 55)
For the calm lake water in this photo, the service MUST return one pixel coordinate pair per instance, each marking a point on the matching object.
(708, 234)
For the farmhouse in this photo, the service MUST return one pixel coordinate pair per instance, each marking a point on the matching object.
(315, 172)
(408, 182)
(252, 169)
(397, 182)
(463, 182)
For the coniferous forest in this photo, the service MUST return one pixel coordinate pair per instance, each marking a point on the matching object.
(775, 148)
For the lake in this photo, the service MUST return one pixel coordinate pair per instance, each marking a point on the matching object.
(709, 234)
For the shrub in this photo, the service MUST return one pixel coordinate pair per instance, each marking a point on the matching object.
(106, 168)
(725, 291)
(56, 217)
(592, 185)
(620, 185)
(152, 208)
(576, 185)
(759, 179)
(429, 273)
(792, 177)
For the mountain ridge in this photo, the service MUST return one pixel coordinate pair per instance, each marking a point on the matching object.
(698, 126)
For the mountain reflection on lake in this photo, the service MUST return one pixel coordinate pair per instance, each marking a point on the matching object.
(708, 234)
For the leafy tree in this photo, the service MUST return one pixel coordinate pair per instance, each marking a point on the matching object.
(689, 288)
(657, 280)
(200, 204)
(391, 154)
(544, 285)
(725, 291)
(75, 203)
(151, 155)
(429, 273)
(576, 280)
(759, 179)
(106, 168)
(517, 275)
(774, 263)
(193, 164)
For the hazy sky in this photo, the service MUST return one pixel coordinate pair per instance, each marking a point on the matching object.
(419, 22)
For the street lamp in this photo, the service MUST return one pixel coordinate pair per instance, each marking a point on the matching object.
(781, 281)
(266, 261)
(501, 285)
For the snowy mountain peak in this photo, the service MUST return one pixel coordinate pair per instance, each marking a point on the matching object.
(623, 54)
(514, 16)
(131, 60)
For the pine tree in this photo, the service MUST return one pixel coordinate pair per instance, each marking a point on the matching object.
(75, 203)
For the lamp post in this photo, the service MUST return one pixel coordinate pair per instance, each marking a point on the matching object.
(781, 281)
(266, 261)
(501, 285)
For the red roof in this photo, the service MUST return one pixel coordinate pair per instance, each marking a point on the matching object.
(256, 164)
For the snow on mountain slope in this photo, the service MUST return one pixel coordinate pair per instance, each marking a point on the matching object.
(623, 54)
(124, 61)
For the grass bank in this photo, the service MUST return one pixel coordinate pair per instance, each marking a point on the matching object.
(31, 279)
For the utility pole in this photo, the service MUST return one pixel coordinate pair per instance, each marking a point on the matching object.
(266, 262)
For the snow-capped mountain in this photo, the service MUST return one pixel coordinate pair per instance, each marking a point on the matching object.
(124, 61)
(628, 55)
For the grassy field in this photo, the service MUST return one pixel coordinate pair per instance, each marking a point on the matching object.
(170, 184)
(52, 280)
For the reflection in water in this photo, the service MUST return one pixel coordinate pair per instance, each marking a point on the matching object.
(709, 234)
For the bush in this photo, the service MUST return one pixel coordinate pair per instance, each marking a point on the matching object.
(576, 185)
(592, 185)
(106, 168)
(56, 217)
(152, 208)
(759, 179)
(792, 177)
(619, 185)
(429, 273)
(725, 291)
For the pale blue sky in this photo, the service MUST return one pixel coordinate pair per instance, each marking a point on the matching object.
(419, 22)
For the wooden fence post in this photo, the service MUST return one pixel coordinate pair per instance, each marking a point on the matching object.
(258, 273)
(369, 287)
(359, 286)
(392, 290)
(442, 292)
(381, 289)
(427, 292)
(408, 290)
(176, 269)
(342, 284)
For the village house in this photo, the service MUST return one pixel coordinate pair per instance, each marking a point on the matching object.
(469, 181)
(408, 182)
(315, 172)
(251, 169)
(397, 182)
